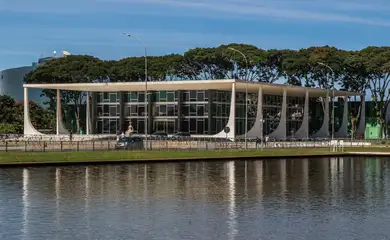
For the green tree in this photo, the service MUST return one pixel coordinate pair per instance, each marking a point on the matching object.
(206, 63)
(377, 63)
(7, 110)
(9, 128)
(354, 78)
(69, 69)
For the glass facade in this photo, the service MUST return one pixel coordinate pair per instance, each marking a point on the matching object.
(198, 112)
(295, 108)
(108, 112)
(194, 110)
(272, 111)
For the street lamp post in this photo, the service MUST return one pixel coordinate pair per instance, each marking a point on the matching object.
(246, 94)
(333, 93)
(146, 86)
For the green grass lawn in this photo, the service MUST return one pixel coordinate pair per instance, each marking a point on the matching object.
(47, 157)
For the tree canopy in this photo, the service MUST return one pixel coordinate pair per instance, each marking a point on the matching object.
(11, 116)
(326, 67)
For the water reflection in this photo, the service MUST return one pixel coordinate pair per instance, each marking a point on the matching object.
(332, 198)
(232, 198)
(25, 204)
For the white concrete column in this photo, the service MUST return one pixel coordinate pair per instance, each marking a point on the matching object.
(232, 118)
(303, 131)
(29, 129)
(88, 116)
(324, 130)
(260, 118)
(256, 130)
(362, 123)
(343, 131)
(280, 131)
(60, 124)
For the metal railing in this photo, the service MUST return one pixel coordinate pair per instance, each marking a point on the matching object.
(110, 143)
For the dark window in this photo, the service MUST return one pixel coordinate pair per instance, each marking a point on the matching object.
(200, 96)
(113, 111)
(113, 97)
(99, 127)
(100, 110)
(186, 110)
(192, 109)
(186, 96)
(163, 110)
(171, 96)
(106, 110)
(163, 96)
(171, 127)
(141, 126)
(141, 97)
(200, 127)
(133, 110)
(206, 109)
(133, 96)
(106, 126)
(185, 126)
(200, 110)
(113, 126)
(171, 110)
(192, 95)
(126, 97)
(193, 125)
(106, 96)
(141, 110)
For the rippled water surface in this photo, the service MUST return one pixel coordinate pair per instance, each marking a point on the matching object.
(278, 199)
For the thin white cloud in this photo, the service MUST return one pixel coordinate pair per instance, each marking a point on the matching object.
(348, 11)
(299, 10)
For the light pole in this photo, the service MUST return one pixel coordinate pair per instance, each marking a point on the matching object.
(146, 87)
(327, 76)
(246, 93)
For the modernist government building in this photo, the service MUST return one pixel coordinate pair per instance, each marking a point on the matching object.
(206, 108)
(12, 79)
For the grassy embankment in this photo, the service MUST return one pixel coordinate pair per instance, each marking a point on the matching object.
(117, 156)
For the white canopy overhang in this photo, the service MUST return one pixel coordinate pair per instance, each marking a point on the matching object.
(222, 85)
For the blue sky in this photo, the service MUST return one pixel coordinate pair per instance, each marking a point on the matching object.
(30, 29)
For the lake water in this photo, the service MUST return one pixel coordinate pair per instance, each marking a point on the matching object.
(337, 198)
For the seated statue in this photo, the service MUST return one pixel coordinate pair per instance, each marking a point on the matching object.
(130, 130)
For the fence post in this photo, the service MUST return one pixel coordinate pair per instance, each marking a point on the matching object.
(6, 146)
(25, 146)
(44, 146)
(93, 145)
(61, 146)
(78, 146)
(108, 144)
